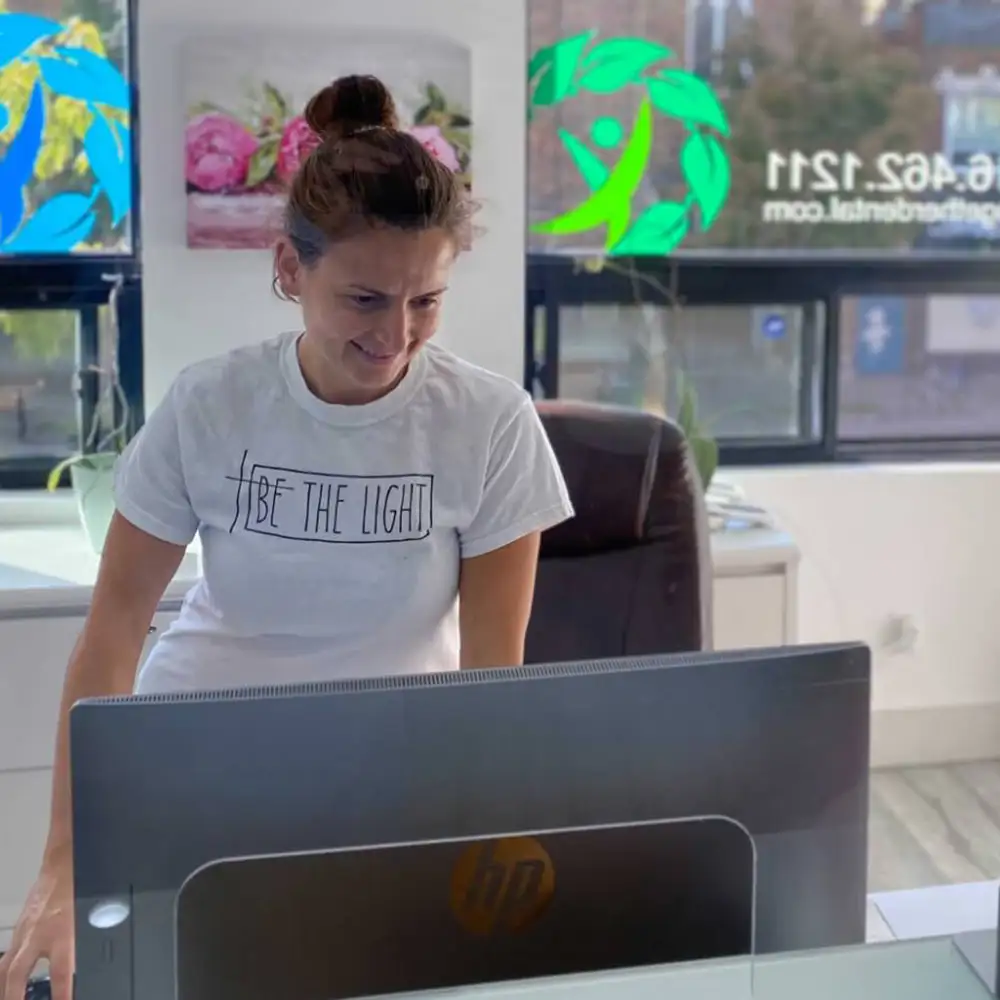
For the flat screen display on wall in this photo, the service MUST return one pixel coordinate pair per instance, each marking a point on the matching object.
(764, 127)
(65, 128)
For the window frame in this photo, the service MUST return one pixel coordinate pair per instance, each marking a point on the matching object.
(84, 282)
(555, 280)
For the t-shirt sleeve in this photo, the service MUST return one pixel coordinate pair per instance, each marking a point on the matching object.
(150, 491)
(524, 489)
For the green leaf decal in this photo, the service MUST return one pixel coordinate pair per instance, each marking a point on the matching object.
(552, 70)
(617, 62)
(594, 173)
(706, 170)
(679, 94)
(262, 162)
(656, 232)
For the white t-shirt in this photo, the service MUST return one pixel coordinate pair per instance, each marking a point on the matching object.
(331, 535)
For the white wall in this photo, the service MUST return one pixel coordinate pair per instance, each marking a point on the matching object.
(200, 302)
(923, 541)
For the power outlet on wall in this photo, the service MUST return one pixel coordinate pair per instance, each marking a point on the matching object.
(898, 634)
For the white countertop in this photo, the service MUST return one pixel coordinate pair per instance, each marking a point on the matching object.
(46, 562)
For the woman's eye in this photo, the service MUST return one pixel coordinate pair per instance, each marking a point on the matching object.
(428, 303)
(363, 300)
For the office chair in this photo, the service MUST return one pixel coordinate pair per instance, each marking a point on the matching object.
(631, 573)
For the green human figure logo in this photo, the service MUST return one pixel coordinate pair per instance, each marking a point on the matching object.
(574, 66)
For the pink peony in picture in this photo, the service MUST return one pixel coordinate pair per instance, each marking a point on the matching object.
(238, 165)
(217, 152)
(298, 140)
(430, 137)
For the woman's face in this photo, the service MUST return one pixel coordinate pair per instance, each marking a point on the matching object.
(369, 304)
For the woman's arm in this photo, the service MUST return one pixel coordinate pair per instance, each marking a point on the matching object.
(135, 570)
(495, 592)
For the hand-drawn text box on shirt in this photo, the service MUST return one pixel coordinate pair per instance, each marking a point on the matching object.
(327, 507)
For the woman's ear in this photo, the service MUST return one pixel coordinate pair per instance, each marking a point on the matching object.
(287, 269)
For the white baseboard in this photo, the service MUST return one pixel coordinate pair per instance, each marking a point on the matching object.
(923, 736)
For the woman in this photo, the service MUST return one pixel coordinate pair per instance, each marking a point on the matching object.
(367, 502)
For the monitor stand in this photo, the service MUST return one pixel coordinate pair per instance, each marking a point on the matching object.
(340, 924)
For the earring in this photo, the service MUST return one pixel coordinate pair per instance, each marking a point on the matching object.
(279, 291)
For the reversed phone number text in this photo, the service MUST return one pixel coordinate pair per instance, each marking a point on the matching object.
(831, 172)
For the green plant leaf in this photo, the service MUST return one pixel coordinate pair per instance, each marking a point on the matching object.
(94, 461)
(55, 476)
(617, 62)
(687, 415)
(706, 458)
(679, 94)
(656, 232)
(552, 70)
(706, 169)
(460, 120)
(262, 162)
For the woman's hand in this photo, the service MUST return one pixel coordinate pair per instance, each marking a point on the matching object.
(45, 930)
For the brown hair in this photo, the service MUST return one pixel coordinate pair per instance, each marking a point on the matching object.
(365, 171)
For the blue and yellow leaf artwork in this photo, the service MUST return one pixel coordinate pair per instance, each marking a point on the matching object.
(65, 141)
(83, 75)
(108, 154)
(58, 225)
(18, 164)
(18, 32)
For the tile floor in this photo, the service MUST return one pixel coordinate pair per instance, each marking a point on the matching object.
(934, 826)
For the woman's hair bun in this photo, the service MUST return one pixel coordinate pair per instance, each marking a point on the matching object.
(349, 105)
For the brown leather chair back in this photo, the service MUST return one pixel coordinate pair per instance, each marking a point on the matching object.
(631, 573)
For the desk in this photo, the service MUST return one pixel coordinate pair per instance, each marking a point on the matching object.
(915, 970)
(47, 574)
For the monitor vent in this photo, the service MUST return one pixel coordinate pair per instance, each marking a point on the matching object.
(399, 682)
(494, 675)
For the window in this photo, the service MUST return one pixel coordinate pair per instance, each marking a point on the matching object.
(39, 412)
(805, 337)
(842, 362)
(69, 230)
(919, 368)
(750, 367)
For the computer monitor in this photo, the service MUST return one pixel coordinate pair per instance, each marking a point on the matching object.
(775, 741)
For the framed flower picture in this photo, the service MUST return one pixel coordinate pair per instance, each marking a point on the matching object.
(245, 136)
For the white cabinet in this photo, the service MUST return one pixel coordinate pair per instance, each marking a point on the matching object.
(34, 652)
(755, 589)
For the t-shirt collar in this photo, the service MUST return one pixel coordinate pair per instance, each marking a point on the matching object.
(338, 413)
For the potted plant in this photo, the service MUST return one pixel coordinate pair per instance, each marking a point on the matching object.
(91, 471)
(672, 386)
